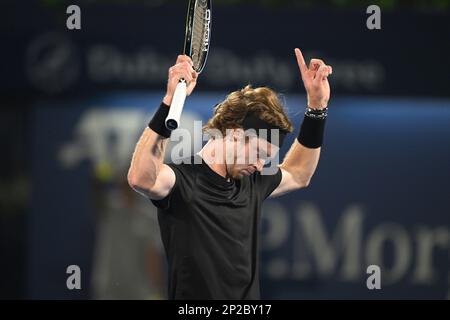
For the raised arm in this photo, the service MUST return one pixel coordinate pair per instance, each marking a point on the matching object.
(148, 175)
(301, 161)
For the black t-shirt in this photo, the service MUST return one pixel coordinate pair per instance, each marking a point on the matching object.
(210, 231)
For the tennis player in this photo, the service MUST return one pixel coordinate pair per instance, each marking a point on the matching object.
(209, 206)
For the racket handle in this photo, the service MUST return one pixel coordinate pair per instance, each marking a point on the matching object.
(173, 118)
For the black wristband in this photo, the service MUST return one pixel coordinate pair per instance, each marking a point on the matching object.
(311, 132)
(158, 122)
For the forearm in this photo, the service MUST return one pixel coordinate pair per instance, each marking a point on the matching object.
(301, 162)
(302, 159)
(147, 162)
(148, 158)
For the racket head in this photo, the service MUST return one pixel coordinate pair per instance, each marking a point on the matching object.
(198, 32)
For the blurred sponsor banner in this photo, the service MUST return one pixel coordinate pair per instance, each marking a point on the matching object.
(131, 47)
(380, 195)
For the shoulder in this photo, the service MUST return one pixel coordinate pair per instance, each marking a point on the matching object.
(183, 183)
(185, 170)
(185, 165)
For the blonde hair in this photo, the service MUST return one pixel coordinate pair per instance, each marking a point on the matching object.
(262, 102)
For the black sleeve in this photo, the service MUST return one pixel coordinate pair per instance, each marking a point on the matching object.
(266, 184)
(164, 203)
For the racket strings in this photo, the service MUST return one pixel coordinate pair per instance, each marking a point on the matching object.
(199, 33)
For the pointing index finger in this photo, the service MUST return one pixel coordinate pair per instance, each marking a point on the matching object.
(300, 61)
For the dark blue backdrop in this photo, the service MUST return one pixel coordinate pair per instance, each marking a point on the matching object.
(380, 196)
(132, 47)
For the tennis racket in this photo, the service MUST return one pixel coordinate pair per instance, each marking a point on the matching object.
(196, 46)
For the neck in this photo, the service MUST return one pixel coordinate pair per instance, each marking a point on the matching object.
(213, 158)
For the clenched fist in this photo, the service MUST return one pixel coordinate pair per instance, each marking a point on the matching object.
(181, 70)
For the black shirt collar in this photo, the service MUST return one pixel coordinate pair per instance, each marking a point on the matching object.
(215, 177)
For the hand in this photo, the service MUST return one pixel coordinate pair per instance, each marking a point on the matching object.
(183, 69)
(315, 80)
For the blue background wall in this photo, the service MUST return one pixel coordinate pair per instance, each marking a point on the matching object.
(74, 103)
(379, 196)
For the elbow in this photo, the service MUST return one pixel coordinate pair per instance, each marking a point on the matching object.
(298, 179)
(133, 180)
(306, 183)
(302, 183)
(137, 182)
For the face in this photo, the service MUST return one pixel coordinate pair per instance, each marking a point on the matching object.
(248, 155)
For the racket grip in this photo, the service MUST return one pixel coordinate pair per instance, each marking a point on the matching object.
(173, 118)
